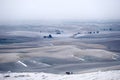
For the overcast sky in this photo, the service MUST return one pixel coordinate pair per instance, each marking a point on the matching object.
(59, 9)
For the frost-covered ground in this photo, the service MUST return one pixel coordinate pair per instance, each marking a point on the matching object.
(78, 48)
(107, 75)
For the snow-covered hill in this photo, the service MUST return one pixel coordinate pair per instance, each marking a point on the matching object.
(107, 75)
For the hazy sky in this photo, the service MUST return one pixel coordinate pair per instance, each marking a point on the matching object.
(59, 9)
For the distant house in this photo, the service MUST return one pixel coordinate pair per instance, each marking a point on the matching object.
(49, 36)
(58, 31)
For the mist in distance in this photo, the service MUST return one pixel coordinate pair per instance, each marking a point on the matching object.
(32, 10)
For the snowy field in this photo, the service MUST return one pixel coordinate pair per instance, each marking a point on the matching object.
(108, 75)
(47, 52)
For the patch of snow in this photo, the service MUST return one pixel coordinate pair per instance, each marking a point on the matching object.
(22, 63)
(107, 75)
(81, 59)
(24, 33)
(115, 56)
(42, 64)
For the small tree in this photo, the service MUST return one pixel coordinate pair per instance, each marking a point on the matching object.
(97, 32)
(110, 29)
(50, 36)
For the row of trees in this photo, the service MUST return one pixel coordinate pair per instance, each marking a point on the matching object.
(109, 29)
(93, 32)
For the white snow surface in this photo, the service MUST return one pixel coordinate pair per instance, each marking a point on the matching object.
(22, 64)
(106, 75)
